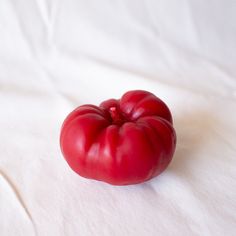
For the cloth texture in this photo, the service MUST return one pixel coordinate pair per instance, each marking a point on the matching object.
(57, 55)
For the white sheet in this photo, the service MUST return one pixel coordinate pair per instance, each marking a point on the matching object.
(56, 55)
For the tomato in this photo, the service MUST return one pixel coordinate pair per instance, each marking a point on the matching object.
(121, 142)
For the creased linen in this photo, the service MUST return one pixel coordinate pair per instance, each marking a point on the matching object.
(56, 55)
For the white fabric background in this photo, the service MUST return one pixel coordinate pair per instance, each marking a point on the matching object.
(56, 55)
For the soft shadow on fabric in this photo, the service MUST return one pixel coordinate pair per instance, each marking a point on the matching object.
(193, 133)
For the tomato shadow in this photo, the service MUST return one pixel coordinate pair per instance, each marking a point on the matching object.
(193, 135)
(194, 132)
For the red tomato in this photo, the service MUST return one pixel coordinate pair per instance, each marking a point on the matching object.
(121, 142)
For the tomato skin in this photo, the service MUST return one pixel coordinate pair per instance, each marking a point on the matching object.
(121, 142)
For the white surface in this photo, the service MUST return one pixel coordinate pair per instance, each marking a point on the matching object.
(56, 55)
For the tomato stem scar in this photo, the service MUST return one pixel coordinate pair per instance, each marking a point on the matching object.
(116, 115)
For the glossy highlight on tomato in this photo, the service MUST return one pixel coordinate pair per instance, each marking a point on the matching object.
(122, 141)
